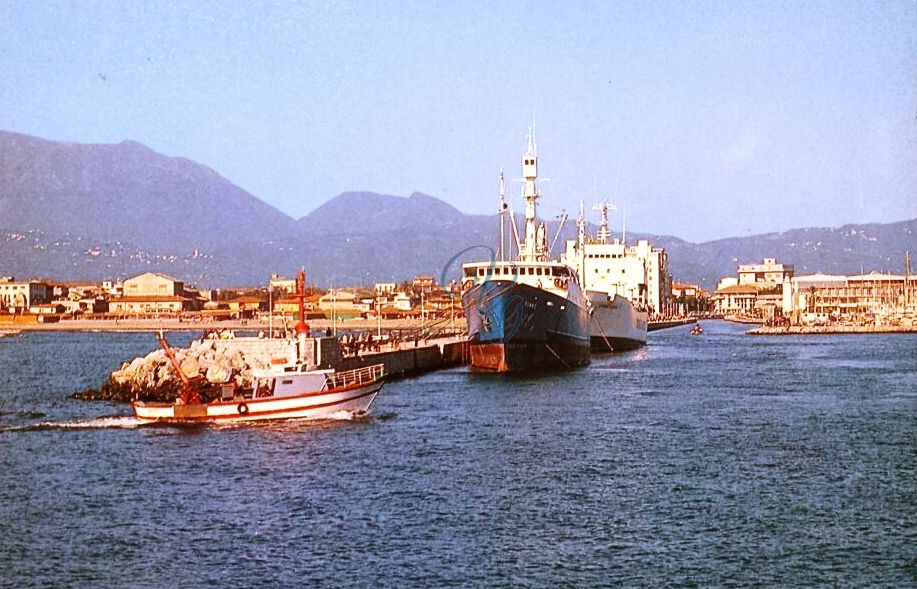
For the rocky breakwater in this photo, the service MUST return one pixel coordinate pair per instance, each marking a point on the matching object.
(209, 363)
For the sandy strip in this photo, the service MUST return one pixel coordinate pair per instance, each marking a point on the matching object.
(241, 325)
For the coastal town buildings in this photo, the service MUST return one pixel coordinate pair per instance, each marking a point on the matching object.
(755, 291)
(767, 273)
(113, 288)
(423, 283)
(281, 284)
(689, 298)
(16, 296)
(153, 293)
(865, 298)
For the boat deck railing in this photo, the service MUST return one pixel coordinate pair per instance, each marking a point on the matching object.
(356, 376)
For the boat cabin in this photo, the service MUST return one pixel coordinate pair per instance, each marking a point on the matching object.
(546, 275)
(285, 382)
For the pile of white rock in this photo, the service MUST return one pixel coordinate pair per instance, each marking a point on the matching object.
(152, 377)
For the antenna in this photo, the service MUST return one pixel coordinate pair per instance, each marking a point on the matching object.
(623, 225)
(563, 219)
(604, 233)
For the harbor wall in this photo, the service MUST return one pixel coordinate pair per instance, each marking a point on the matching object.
(411, 360)
(268, 349)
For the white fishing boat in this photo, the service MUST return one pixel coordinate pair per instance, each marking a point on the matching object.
(293, 390)
(276, 394)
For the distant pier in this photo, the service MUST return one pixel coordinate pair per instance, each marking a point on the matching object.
(830, 329)
(664, 324)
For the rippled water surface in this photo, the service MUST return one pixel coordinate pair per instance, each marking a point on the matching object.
(702, 461)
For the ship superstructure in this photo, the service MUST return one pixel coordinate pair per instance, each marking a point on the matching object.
(614, 278)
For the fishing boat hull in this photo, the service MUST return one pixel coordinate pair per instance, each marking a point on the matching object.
(517, 327)
(355, 400)
(616, 326)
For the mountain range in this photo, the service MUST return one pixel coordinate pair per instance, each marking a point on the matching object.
(92, 212)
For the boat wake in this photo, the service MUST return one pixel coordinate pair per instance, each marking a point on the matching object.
(105, 422)
(129, 422)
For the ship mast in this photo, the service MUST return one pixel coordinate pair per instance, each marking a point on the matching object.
(604, 234)
(535, 245)
(502, 213)
(581, 241)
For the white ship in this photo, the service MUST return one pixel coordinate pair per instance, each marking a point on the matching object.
(614, 279)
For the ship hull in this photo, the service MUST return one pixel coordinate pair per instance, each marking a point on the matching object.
(617, 326)
(516, 327)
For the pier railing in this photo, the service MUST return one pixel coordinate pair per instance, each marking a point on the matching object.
(357, 376)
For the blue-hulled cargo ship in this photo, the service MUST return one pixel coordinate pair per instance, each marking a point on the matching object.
(528, 313)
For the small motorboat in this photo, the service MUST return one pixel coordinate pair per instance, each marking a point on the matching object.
(697, 330)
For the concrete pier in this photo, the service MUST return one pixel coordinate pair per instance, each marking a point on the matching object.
(427, 356)
(830, 329)
(657, 325)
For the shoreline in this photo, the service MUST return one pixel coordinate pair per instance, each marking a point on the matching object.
(151, 325)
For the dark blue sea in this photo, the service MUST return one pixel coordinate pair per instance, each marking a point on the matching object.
(719, 460)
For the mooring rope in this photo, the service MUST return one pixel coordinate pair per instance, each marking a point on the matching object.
(607, 343)
(561, 360)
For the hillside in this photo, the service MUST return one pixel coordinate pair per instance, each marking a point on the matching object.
(125, 193)
(93, 212)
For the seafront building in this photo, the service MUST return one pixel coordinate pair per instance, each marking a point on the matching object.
(873, 298)
(282, 284)
(755, 291)
(769, 273)
(153, 293)
(17, 296)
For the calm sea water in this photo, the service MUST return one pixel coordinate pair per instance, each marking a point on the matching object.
(698, 461)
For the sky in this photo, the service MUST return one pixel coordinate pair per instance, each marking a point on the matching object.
(697, 119)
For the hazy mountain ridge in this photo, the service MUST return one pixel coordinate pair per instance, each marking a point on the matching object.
(92, 212)
(125, 192)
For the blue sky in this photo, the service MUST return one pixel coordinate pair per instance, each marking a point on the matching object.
(703, 119)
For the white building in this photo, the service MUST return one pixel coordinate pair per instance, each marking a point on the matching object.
(153, 293)
(868, 297)
(402, 302)
(769, 273)
(21, 295)
(281, 284)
